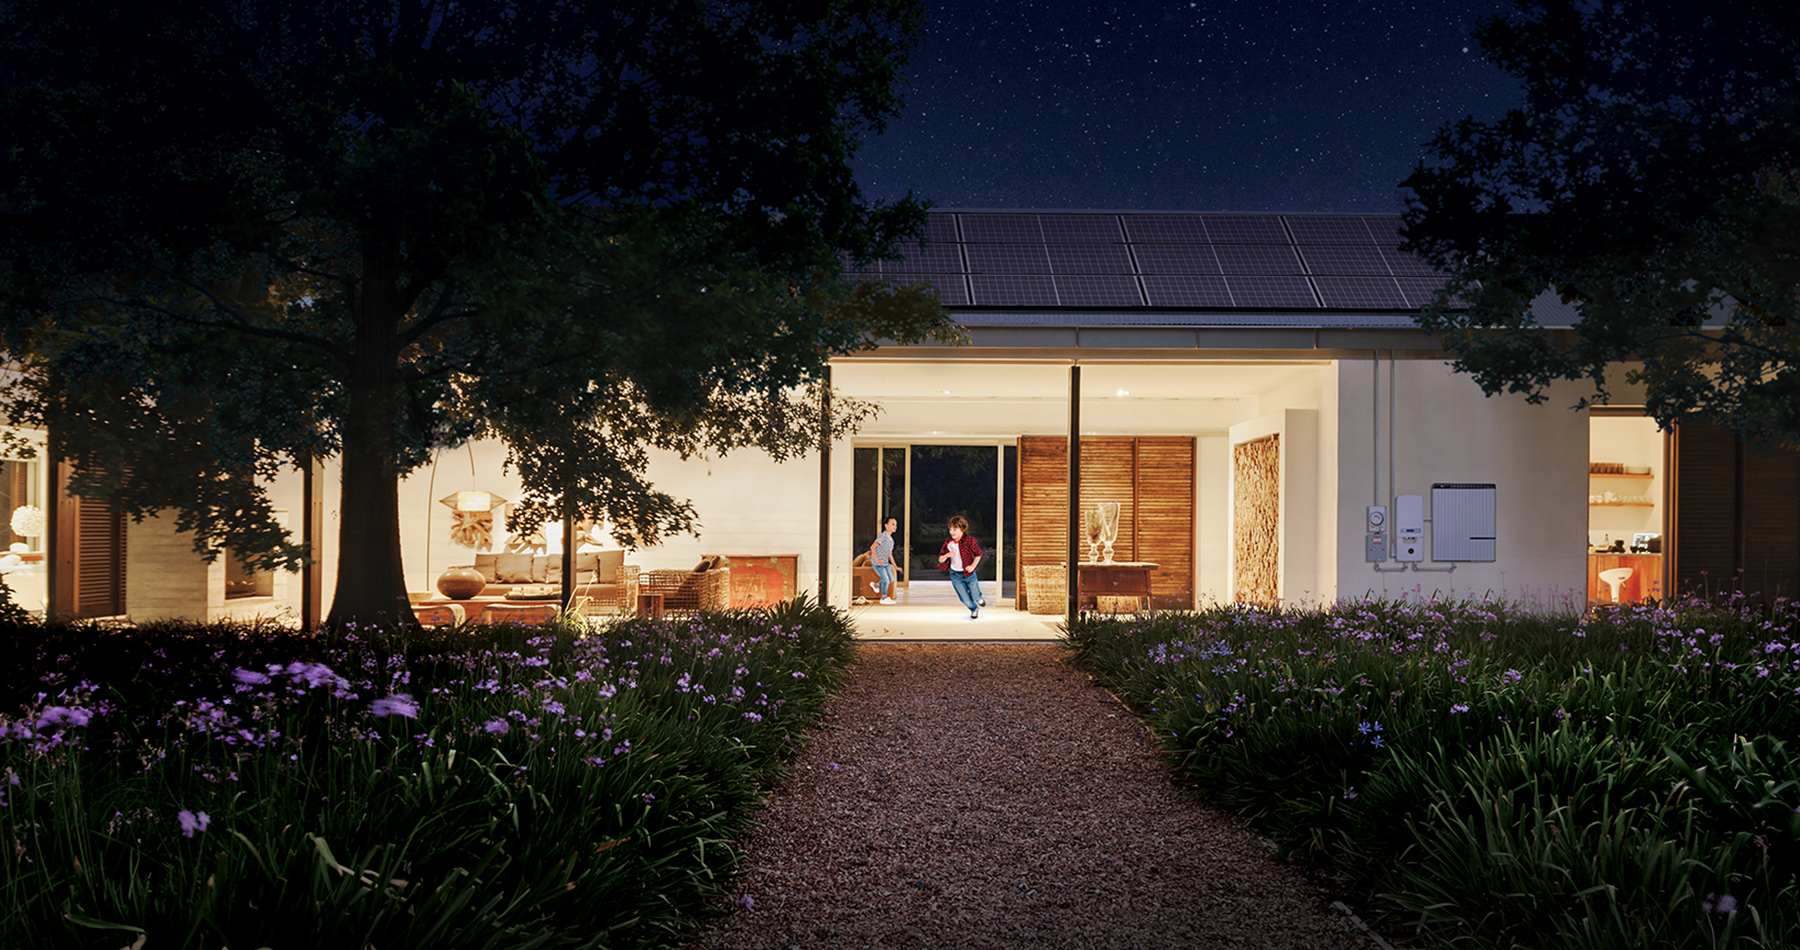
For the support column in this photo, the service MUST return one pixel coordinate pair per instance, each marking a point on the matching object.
(1073, 573)
(312, 534)
(825, 485)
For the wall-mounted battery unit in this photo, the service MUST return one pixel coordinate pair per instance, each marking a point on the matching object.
(1409, 527)
(1462, 522)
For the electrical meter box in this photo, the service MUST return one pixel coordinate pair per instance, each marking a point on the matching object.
(1462, 522)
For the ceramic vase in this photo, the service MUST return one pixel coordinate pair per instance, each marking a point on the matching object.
(461, 583)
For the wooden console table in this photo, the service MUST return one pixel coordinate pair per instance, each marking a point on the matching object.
(1118, 579)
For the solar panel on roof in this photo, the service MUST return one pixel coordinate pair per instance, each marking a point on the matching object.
(1343, 259)
(952, 289)
(1186, 291)
(1257, 259)
(1328, 229)
(941, 227)
(1360, 293)
(1421, 291)
(1006, 290)
(1244, 229)
(1098, 291)
(1089, 259)
(1081, 228)
(1270, 292)
(1002, 228)
(1007, 259)
(1406, 265)
(929, 259)
(1165, 228)
(1175, 259)
(1384, 228)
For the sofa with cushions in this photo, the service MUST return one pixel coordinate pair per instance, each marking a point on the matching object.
(602, 577)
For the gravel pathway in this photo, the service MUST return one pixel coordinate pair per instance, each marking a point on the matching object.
(973, 795)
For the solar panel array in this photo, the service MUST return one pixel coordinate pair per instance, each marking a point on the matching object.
(1166, 260)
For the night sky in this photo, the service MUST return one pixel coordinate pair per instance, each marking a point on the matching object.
(1286, 105)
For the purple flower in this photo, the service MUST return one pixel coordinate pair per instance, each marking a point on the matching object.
(249, 677)
(398, 704)
(1719, 904)
(649, 797)
(191, 822)
(63, 717)
(1459, 708)
(498, 727)
(747, 902)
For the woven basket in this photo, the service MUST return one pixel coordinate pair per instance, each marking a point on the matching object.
(1046, 588)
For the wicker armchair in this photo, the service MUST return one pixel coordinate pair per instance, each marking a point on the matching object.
(688, 591)
(618, 597)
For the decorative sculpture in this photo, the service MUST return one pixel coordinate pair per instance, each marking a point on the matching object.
(472, 529)
(472, 517)
(1107, 513)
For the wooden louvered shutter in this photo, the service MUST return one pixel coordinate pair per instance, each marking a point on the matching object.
(1165, 518)
(100, 561)
(1737, 515)
(1705, 528)
(1769, 535)
(1108, 471)
(1153, 481)
(1043, 511)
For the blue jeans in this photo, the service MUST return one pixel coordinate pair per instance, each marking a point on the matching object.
(968, 588)
(884, 573)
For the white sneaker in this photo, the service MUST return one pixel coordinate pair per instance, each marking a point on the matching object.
(888, 600)
(974, 612)
(982, 602)
(875, 587)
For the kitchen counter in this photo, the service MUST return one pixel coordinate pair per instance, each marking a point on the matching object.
(1644, 583)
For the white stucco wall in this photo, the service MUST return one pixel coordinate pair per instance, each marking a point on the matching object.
(1445, 430)
(745, 502)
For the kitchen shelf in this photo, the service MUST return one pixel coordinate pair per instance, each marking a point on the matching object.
(1618, 475)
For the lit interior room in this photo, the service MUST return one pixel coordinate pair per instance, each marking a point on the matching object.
(1626, 507)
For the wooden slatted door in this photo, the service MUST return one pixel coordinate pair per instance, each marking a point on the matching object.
(1152, 478)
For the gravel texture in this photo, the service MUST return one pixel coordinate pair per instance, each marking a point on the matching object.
(977, 795)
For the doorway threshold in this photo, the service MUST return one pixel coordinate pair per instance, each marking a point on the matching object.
(950, 623)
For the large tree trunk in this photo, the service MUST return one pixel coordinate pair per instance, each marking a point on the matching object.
(371, 583)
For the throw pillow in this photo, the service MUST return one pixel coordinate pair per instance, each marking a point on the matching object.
(485, 564)
(513, 568)
(540, 568)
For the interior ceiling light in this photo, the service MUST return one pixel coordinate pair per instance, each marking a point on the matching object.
(1124, 392)
(944, 391)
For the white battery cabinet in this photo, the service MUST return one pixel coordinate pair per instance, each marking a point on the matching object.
(1462, 522)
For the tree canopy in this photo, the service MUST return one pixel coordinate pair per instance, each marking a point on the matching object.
(244, 234)
(1651, 181)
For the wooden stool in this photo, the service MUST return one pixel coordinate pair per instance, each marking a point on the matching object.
(650, 605)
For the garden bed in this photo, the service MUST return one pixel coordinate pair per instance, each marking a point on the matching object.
(504, 787)
(1493, 777)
